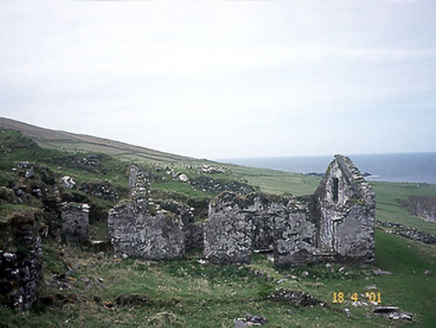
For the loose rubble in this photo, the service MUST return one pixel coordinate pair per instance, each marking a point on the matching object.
(393, 312)
(250, 320)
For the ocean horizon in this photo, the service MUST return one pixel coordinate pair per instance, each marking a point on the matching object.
(403, 167)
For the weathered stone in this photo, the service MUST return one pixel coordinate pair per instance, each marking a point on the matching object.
(20, 268)
(208, 184)
(75, 222)
(228, 232)
(392, 312)
(136, 232)
(295, 233)
(132, 173)
(335, 224)
(68, 182)
(345, 212)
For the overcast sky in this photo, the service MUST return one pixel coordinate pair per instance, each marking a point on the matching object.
(224, 79)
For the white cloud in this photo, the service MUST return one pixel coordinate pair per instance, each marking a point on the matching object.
(223, 78)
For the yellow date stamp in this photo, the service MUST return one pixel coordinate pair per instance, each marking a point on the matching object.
(355, 297)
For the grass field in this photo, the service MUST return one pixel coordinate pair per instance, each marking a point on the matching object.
(104, 291)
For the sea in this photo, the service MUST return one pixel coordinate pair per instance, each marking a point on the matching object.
(411, 167)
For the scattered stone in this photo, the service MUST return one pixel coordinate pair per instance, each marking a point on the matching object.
(294, 297)
(250, 320)
(392, 312)
(23, 165)
(217, 186)
(370, 287)
(360, 303)
(133, 300)
(379, 272)
(427, 272)
(68, 182)
(347, 312)
(183, 177)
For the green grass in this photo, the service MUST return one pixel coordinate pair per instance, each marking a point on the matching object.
(388, 207)
(181, 188)
(277, 182)
(186, 293)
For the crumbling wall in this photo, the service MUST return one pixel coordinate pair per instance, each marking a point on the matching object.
(133, 230)
(20, 261)
(295, 233)
(228, 232)
(335, 224)
(75, 222)
(139, 228)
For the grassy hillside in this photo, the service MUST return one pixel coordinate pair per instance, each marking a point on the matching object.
(85, 287)
(61, 140)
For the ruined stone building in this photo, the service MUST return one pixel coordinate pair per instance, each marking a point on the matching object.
(135, 229)
(336, 223)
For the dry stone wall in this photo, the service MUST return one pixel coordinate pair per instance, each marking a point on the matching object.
(20, 261)
(137, 228)
(336, 223)
(228, 234)
(75, 222)
(295, 233)
(133, 230)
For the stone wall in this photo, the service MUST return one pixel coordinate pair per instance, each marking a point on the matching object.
(133, 230)
(140, 227)
(20, 261)
(228, 232)
(345, 211)
(295, 233)
(336, 223)
(75, 222)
